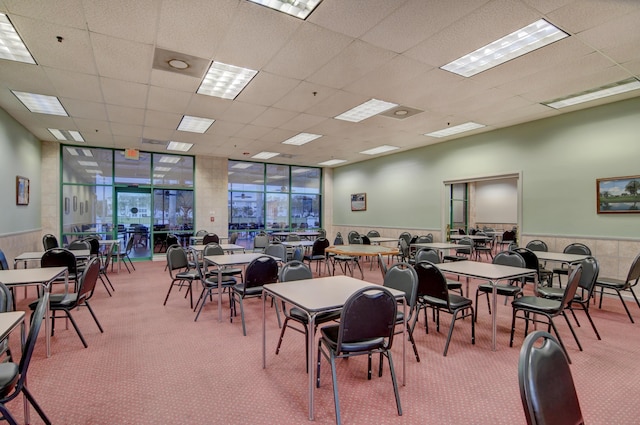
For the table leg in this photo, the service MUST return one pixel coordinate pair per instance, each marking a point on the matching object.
(494, 316)
(23, 341)
(264, 330)
(220, 294)
(312, 365)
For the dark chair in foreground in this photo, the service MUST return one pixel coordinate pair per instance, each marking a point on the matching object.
(432, 256)
(180, 271)
(546, 386)
(366, 327)
(531, 306)
(434, 293)
(619, 286)
(505, 258)
(13, 377)
(68, 302)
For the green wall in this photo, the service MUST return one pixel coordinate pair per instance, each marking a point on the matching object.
(560, 159)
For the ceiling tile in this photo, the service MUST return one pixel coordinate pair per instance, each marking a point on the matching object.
(167, 100)
(124, 93)
(132, 20)
(352, 18)
(122, 59)
(126, 115)
(266, 89)
(75, 85)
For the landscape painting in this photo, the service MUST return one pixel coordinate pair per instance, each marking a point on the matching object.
(618, 195)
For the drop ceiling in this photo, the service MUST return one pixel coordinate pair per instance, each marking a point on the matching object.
(309, 71)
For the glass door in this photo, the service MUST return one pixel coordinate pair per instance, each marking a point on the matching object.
(134, 215)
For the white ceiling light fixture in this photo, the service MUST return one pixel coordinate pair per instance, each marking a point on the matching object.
(332, 162)
(41, 103)
(532, 37)
(301, 138)
(66, 135)
(597, 93)
(468, 126)
(225, 81)
(90, 171)
(11, 45)
(297, 8)
(169, 159)
(242, 165)
(380, 149)
(73, 152)
(88, 163)
(366, 110)
(162, 169)
(265, 155)
(195, 124)
(179, 146)
(87, 152)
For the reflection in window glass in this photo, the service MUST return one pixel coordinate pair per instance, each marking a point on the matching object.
(173, 210)
(305, 212)
(172, 170)
(246, 211)
(129, 171)
(87, 165)
(245, 176)
(277, 178)
(87, 209)
(305, 180)
(277, 214)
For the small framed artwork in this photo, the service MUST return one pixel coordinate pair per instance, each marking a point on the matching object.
(22, 190)
(75, 203)
(67, 205)
(86, 206)
(81, 208)
(618, 195)
(358, 202)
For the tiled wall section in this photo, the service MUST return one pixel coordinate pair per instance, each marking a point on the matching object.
(211, 195)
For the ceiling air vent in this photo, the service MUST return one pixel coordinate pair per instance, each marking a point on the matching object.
(401, 112)
(153, 142)
(180, 63)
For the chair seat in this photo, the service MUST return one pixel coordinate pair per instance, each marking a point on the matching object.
(453, 258)
(9, 375)
(555, 293)
(187, 275)
(301, 316)
(454, 284)
(559, 270)
(455, 302)
(314, 257)
(330, 334)
(539, 304)
(213, 281)
(612, 283)
(507, 290)
(252, 291)
(57, 301)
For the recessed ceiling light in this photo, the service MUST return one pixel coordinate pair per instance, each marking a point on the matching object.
(40, 103)
(87, 152)
(169, 159)
(11, 45)
(158, 176)
(225, 81)
(165, 169)
(265, 155)
(367, 109)
(242, 165)
(332, 162)
(88, 163)
(301, 139)
(178, 64)
(90, 171)
(73, 152)
(195, 124)
(380, 149)
(66, 135)
(468, 126)
(298, 8)
(179, 146)
(597, 93)
(524, 40)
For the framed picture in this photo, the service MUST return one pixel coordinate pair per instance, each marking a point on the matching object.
(358, 202)
(618, 195)
(22, 190)
(67, 205)
(86, 206)
(81, 208)
(75, 203)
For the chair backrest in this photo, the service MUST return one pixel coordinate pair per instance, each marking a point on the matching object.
(431, 282)
(322, 233)
(261, 271)
(383, 265)
(49, 241)
(79, 245)
(3, 261)
(171, 240)
(365, 240)
(572, 286)
(201, 232)
(352, 236)
(406, 236)
(293, 237)
(425, 239)
(210, 237)
(6, 299)
(213, 248)
(403, 277)
(537, 245)
(87, 282)
(319, 245)
(427, 254)
(530, 258)
(368, 313)
(260, 241)
(176, 258)
(373, 234)
(546, 386)
(295, 270)
(577, 248)
(338, 240)
(298, 254)
(509, 258)
(277, 250)
(403, 247)
(508, 235)
(34, 329)
(634, 273)
(590, 271)
(94, 245)
(466, 244)
(58, 257)
(233, 238)
(461, 231)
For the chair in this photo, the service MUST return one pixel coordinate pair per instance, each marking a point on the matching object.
(277, 250)
(373, 234)
(546, 386)
(403, 277)
(587, 284)
(210, 237)
(537, 245)
(180, 271)
(464, 252)
(6, 304)
(532, 262)
(432, 256)
(434, 293)
(260, 242)
(530, 306)
(508, 236)
(61, 257)
(353, 237)
(483, 246)
(618, 285)
(233, 238)
(406, 236)
(505, 258)
(124, 256)
(260, 271)
(296, 270)
(13, 377)
(80, 245)
(424, 239)
(104, 266)
(210, 283)
(69, 302)
(201, 232)
(215, 249)
(298, 255)
(574, 248)
(3, 261)
(318, 255)
(367, 326)
(383, 265)
(49, 241)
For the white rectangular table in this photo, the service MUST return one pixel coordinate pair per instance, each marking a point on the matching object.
(39, 276)
(493, 273)
(438, 246)
(314, 296)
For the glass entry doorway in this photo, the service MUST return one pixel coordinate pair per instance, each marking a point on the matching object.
(134, 217)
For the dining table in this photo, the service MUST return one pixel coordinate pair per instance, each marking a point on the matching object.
(361, 250)
(315, 296)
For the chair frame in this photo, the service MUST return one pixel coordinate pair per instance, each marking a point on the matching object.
(182, 271)
(617, 285)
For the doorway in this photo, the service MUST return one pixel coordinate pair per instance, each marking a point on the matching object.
(134, 217)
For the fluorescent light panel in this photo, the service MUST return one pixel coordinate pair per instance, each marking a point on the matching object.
(332, 162)
(195, 124)
(11, 45)
(66, 135)
(162, 169)
(367, 109)
(88, 163)
(301, 139)
(40, 103)
(169, 159)
(298, 8)
(468, 126)
(265, 155)
(179, 146)
(225, 81)
(524, 40)
(597, 93)
(93, 171)
(158, 176)
(380, 149)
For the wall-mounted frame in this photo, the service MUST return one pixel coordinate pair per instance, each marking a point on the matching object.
(75, 203)
(618, 195)
(81, 208)
(22, 190)
(358, 202)
(86, 206)
(67, 205)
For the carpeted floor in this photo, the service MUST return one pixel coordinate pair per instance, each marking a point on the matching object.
(155, 365)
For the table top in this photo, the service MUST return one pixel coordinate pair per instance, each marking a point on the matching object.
(321, 293)
(30, 276)
(224, 246)
(472, 237)
(297, 243)
(381, 239)
(364, 250)
(37, 255)
(233, 259)
(9, 321)
(560, 257)
(308, 233)
(481, 270)
(436, 245)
